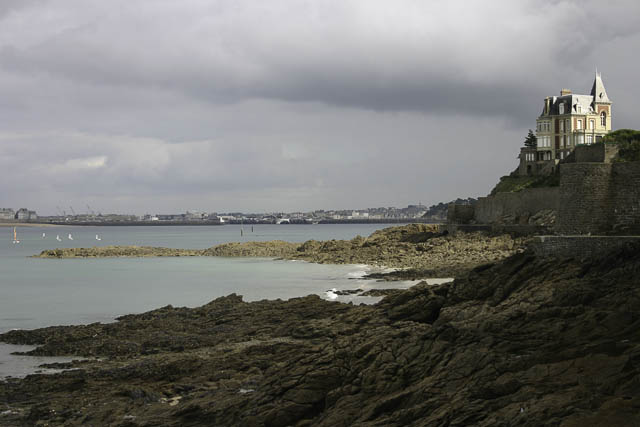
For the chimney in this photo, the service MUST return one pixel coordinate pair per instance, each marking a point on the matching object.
(564, 92)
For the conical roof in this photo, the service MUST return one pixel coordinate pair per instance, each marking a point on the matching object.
(598, 91)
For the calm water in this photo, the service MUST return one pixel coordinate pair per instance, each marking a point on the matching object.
(41, 292)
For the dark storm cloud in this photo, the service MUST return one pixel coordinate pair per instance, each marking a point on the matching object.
(181, 102)
(413, 56)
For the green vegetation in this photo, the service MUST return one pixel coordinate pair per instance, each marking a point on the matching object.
(628, 141)
(531, 140)
(513, 184)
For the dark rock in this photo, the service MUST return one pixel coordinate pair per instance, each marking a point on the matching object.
(523, 341)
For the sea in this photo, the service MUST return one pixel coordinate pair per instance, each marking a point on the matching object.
(37, 292)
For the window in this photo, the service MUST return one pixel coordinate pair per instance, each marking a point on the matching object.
(579, 138)
(561, 108)
(603, 119)
(592, 124)
(579, 124)
(544, 141)
(589, 139)
(567, 125)
(561, 125)
(579, 108)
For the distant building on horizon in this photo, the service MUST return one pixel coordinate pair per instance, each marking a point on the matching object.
(566, 121)
(7, 214)
(22, 214)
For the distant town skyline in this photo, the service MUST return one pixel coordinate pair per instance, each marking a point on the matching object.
(148, 107)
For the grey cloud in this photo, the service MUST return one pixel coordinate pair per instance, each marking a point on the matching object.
(286, 104)
(297, 53)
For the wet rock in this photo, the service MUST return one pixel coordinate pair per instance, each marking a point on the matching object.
(521, 341)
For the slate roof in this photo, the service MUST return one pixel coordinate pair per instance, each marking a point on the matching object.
(580, 104)
(598, 91)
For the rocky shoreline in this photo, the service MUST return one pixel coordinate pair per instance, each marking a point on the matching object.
(418, 248)
(523, 341)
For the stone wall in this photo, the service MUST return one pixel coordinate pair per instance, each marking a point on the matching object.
(592, 199)
(585, 191)
(520, 205)
(599, 198)
(595, 153)
(578, 246)
(626, 198)
(513, 230)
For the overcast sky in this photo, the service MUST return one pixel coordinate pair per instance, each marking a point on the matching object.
(163, 106)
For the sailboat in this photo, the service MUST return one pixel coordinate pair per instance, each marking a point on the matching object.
(98, 237)
(58, 238)
(70, 237)
(44, 235)
(15, 236)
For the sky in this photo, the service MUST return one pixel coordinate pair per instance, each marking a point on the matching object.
(158, 106)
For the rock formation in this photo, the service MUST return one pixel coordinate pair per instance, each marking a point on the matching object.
(416, 246)
(524, 341)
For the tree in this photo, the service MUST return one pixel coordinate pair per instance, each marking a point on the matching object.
(628, 142)
(531, 141)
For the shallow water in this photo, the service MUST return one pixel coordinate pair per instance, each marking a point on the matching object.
(41, 292)
(18, 366)
(38, 292)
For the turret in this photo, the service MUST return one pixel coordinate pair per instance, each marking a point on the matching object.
(598, 91)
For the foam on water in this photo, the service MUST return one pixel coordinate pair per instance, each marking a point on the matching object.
(360, 271)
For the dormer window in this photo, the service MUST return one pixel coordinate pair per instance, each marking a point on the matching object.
(579, 108)
(561, 108)
(603, 119)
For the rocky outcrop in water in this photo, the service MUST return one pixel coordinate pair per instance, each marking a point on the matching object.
(524, 341)
(417, 246)
(271, 249)
(117, 251)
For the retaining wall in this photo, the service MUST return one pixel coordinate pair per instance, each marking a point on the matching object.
(513, 230)
(626, 198)
(578, 246)
(585, 191)
(595, 153)
(521, 204)
(599, 198)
